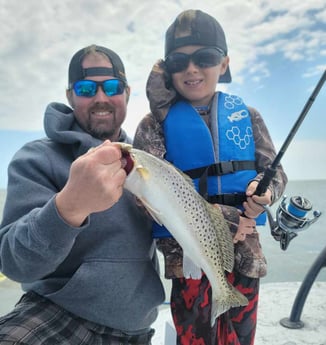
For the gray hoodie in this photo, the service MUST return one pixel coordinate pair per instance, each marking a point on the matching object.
(105, 271)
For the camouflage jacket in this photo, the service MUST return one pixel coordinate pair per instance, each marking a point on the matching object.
(149, 136)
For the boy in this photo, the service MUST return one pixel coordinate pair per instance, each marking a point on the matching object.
(225, 147)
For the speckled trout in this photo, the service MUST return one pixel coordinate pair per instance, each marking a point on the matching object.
(199, 227)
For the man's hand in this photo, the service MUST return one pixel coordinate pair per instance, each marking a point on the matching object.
(253, 207)
(95, 184)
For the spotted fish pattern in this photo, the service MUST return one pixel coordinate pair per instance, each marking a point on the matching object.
(199, 227)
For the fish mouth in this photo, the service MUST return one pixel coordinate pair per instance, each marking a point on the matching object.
(129, 161)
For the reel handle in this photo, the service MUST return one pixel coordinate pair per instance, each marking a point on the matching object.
(290, 219)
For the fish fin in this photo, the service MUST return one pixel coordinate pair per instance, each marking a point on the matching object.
(145, 174)
(225, 242)
(230, 299)
(123, 146)
(187, 178)
(153, 212)
(190, 269)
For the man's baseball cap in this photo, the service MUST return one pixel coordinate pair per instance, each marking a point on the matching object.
(77, 72)
(194, 27)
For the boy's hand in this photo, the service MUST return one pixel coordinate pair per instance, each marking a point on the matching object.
(253, 207)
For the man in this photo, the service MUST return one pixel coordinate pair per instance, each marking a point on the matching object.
(78, 243)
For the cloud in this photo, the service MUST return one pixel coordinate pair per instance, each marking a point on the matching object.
(39, 38)
(316, 70)
(303, 160)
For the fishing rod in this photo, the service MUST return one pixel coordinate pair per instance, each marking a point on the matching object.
(290, 218)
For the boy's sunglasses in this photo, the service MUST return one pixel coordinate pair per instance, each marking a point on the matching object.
(88, 88)
(203, 58)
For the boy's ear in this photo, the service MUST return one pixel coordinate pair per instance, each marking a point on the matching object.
(225, 64)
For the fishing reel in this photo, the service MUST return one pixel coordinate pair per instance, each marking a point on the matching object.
(290, 219)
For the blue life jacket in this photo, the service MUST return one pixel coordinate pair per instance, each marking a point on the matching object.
(221, 162)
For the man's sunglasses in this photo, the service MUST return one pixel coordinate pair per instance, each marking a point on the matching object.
(203, 58)
(88, 88)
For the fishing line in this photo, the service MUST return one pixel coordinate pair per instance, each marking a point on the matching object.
(291, 217)
(271, 171)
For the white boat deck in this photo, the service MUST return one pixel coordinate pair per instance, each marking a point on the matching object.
(276, 300)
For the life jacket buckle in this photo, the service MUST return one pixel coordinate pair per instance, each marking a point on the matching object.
(226, 167)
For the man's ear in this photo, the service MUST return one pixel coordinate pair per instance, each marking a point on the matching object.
(127, 93)
(69, 98)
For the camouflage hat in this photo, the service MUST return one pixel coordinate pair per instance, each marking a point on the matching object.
(77, 72)
(194, 27)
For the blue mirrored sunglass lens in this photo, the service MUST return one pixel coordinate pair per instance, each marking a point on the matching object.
(85, 88)
(88, 88)
(113, 87)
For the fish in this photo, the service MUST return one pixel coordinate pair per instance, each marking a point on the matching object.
(199, 227)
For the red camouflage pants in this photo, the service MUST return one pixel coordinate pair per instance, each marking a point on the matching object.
(191, 312)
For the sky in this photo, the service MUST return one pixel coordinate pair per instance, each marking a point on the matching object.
(277, 55)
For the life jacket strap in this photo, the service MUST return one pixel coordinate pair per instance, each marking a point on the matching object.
(221, 168)
(235, 199)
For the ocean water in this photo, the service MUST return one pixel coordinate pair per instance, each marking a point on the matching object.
(293, 263)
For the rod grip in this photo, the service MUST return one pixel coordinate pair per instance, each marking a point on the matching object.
(265, 181)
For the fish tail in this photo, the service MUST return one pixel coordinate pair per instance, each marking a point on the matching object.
(221, 303)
